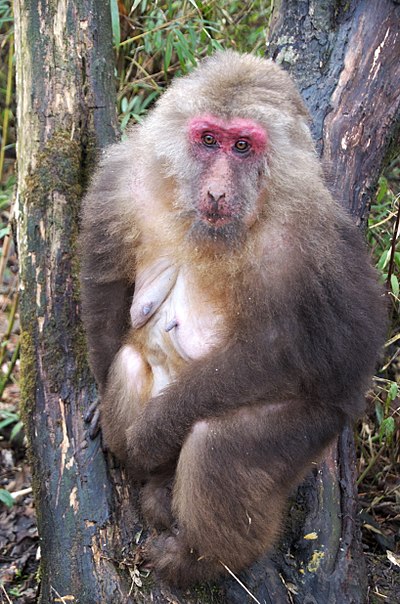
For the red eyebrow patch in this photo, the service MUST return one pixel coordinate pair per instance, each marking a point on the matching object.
(227, 132)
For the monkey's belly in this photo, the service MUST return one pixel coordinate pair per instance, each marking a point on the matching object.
(183, 326)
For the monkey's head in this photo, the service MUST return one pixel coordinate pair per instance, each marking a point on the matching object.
(232, 131)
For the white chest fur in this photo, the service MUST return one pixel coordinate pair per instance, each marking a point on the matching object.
(179, 319)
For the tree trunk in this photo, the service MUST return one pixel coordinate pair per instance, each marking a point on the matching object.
(66, 111)
(346, 63)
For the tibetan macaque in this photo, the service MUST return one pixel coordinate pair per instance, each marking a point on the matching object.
(255, 318)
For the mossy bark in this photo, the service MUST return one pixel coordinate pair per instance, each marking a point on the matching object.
(345, 58)
(66, 114)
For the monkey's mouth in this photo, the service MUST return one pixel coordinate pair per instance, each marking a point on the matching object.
(217, 219)
(217, 228)
(216, 211)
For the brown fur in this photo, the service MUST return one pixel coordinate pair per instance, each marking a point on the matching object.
(280, 317)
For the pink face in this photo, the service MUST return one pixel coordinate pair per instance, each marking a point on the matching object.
(230, 155)
(238, 137)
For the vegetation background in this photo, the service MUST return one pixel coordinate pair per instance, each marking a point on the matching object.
(154, 41)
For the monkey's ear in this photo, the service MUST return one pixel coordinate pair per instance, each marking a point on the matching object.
(300, 107)
(296, 99)
(292, 92)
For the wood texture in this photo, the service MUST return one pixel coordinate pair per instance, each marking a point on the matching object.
(65, 113)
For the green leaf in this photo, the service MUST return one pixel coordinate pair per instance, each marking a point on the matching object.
(134, 6)
(125, 120)
(138, 118)
(382, 189)
(216, 45)
(7, 418)
(124, 104)
(393, 391)
(182, 40)
(379, 412)
(181, 58)
(16, 430)
(6, 498)
(192, 35)
(116, 30)
(383, 260)
(4, 231)
(394, 283)
(387, 428)
(6, 422)
(133, 103)
(168, 51)
(149, 99)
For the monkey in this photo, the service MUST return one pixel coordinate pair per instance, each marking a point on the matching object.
(233, 319)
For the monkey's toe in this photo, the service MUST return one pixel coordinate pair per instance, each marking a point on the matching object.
(175, 563)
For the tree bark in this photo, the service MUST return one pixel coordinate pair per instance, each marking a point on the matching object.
(66, 111)
(346, 63)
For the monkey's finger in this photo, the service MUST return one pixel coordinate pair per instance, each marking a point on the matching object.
(94, 426)
(91, 411)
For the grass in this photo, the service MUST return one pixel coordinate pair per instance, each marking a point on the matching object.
(378, 438)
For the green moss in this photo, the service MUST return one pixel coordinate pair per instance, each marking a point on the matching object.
(58, 169)
(208, 594)
(52, 194)
(28, 375)
(80, 353)
(315, 561)
(28, 383)
(90, 155)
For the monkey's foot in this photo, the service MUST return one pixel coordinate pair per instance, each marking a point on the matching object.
(92, 417)
(177, 564)
(155, 501)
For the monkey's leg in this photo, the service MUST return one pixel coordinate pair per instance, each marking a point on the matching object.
(128, 384)
(156, 500)
(233, 478)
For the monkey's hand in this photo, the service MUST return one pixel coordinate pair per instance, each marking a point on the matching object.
(150, 448)
(92, 417)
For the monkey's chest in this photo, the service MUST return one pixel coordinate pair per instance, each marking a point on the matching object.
(175, 322)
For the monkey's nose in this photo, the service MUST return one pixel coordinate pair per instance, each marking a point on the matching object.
(214, 199)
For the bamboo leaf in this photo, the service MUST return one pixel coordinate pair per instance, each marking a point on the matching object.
(116, 30)
(394, 284)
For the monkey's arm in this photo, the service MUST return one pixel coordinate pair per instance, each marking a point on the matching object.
(106, 313)
(211, 387)
(107, 271)
(316, 348)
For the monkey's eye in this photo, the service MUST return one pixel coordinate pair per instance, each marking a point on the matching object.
(242, 146)
(209, 140)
